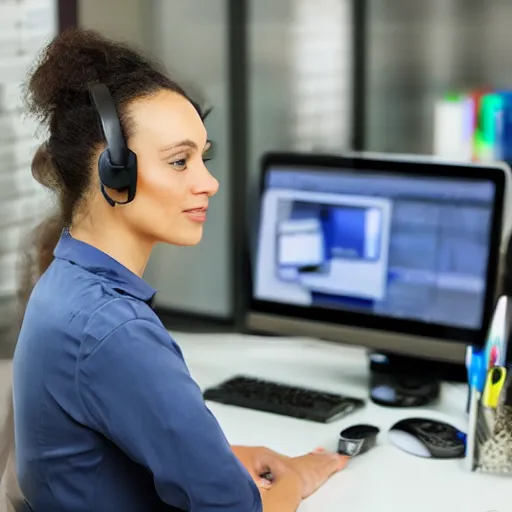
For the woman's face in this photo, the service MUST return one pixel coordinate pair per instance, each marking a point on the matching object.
(173, 183)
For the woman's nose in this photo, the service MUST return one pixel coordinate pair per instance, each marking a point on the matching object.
(208, 184)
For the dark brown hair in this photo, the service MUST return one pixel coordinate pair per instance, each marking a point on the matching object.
(57, 96)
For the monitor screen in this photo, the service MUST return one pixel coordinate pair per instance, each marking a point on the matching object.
(410, 247)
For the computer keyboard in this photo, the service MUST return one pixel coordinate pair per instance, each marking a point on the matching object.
(268, 396)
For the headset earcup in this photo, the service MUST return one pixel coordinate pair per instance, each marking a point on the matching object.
(112, 176)
(117, 177)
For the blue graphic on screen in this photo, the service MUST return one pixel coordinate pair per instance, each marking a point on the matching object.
(315, 234)
(351, 236)
(324, 247)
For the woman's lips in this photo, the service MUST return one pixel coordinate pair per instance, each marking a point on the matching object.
(196, 214)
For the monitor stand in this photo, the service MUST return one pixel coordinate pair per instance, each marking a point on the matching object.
(402, 381)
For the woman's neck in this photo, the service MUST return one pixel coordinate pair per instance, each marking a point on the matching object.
(128, 249)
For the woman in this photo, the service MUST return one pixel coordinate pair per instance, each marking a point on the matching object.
(107, 416)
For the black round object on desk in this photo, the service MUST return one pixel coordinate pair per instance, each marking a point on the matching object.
(403, 390)
(357, 440)
(399, 381)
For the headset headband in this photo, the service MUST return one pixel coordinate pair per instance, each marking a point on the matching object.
(117, 149)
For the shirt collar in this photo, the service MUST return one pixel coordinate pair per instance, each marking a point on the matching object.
(101, 264)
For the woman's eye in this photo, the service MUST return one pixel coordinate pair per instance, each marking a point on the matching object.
(179, 165)
(206, 159)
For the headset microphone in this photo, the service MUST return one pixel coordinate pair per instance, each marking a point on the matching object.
(117, 163)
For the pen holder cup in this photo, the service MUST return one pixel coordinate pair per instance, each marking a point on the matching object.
(493, 444)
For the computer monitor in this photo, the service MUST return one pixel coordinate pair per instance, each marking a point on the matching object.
(396, 255)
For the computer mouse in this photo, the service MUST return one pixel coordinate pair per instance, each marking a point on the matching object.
(357, 439)
(428, 438)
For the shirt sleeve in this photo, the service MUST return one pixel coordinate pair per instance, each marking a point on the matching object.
(136, 390)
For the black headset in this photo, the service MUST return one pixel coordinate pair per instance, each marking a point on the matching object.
(117, 163)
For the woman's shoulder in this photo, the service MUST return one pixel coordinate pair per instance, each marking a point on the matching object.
(126, 324)
(122, 313)
(125, 337)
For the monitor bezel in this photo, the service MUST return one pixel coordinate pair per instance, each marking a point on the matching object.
(407, 167)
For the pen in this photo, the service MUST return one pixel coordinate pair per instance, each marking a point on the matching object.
(476, 375)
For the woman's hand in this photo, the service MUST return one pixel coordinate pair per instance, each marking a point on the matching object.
(316, 468)
(263, 464)
(312, 469)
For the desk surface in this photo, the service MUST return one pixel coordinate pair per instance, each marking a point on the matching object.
(383, 480)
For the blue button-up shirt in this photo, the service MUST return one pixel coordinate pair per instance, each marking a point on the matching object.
(107, 415)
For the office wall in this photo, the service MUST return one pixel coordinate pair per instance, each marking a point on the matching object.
(119, 19)
(191, 40)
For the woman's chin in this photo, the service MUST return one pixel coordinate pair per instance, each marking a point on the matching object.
(187, 238)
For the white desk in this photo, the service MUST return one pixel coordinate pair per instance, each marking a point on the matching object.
(383, 480)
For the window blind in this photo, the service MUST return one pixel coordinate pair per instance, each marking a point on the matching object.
(322, 56)
(25, 26)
